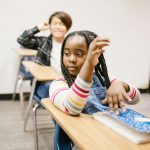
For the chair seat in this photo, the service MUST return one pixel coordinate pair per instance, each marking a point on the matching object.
(26, 75)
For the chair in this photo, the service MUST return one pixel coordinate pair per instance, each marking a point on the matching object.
(22, 73)
(21, 77)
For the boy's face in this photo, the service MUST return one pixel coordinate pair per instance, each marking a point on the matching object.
(75, 53)
(58, 29)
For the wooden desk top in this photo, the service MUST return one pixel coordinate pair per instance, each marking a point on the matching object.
(90, 134)
(41, 73)
(26, 52)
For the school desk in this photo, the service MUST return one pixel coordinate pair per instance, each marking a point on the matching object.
(22, 52)
(88, 133)
(25, 52)
(40, 73)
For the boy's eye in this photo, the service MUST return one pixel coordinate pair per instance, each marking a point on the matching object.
(56, 23)
(61, 24)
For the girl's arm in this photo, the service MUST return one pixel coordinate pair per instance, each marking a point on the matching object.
(70, 100)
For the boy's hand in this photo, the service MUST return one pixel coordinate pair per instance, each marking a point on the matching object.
(116, 96)
(44, 26)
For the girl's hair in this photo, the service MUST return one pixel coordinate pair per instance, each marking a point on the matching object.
(64, 17)
(100, 68)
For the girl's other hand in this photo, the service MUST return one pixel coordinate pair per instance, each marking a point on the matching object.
(116, 96)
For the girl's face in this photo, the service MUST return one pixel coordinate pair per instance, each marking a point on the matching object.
(58, 29)
(75, 52)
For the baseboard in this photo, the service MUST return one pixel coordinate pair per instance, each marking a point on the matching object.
(9, 96)
(144, 90)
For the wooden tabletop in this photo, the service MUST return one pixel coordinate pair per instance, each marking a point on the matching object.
(26, 52)
(90, 134)
(41, 73)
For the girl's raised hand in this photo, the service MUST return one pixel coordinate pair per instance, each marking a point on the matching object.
(96, 49)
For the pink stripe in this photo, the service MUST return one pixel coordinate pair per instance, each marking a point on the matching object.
(79, 94)
(133, 95)
(82, 90)
(133, 92)
(66, 110)
(55, 93)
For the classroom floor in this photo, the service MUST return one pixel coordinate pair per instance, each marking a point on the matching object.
(13, 137)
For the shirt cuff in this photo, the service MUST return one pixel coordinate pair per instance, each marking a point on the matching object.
(83, 84)
(35, 30)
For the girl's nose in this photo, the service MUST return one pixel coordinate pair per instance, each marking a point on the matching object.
(72, 58)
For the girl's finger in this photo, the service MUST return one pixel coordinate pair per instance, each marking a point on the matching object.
(116, 110)
(121, 102)
(110, 103)
(100, 38)
(122, 105)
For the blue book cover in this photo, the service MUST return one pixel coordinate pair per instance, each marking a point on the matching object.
(131, 118)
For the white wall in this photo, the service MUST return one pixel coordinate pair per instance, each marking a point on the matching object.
(125, 22)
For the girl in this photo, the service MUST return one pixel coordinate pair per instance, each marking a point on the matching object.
(85, 84)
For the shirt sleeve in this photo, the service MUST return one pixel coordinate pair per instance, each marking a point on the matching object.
(27, 38)
(70, 100)
(134, 94)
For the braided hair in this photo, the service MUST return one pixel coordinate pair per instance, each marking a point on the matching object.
(100, 69)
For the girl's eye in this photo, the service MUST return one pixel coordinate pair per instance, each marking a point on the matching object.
(66, 53)
(79, 54)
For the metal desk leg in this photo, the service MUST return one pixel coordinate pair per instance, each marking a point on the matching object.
(17, 78)
(149, 83)
(29, 107)
(34, 112)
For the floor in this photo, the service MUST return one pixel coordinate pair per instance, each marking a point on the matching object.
(13, 137)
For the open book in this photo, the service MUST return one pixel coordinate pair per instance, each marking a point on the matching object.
(130, 124)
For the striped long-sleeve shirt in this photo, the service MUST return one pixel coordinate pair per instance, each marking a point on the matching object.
(72, 100)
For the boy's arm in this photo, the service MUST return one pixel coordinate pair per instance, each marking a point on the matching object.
(27, 38)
